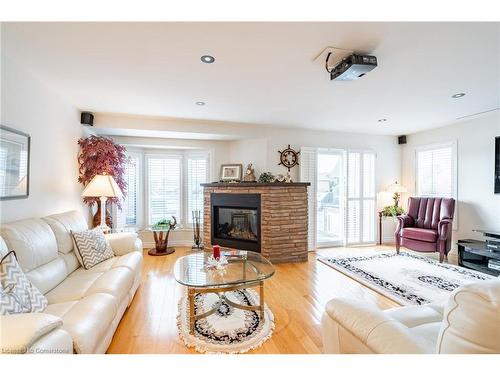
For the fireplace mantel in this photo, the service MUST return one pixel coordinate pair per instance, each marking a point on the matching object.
(255, 184)
(284, 217)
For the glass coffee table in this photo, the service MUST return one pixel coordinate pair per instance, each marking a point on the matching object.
(245, 269)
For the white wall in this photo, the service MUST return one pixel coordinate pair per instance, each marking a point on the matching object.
(478, 206)
(263, 151)
(28, 105)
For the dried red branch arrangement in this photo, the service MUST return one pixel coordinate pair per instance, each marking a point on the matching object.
(101, 155)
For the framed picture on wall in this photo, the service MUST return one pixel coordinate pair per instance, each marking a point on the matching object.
(14, 163)
(231, 172)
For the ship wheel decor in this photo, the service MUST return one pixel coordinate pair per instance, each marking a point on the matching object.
(289, 158)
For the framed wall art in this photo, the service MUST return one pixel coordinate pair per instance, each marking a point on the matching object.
(231, 172)
(14, 163)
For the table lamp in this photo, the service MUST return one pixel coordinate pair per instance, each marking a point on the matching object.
(102, 186)
(397, 189)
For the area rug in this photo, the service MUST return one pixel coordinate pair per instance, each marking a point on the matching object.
(229, 330)
(405, 278)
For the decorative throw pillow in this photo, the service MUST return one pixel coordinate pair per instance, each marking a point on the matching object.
(92, 247)
(17, 293)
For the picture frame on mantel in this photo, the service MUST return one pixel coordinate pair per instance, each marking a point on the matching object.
(231, 172)
(14, 163)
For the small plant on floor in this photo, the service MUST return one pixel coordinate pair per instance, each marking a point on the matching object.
(266, 177)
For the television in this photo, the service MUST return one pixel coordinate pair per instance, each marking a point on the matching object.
(497, 165)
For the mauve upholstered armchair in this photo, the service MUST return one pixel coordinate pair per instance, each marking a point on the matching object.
(427, 226)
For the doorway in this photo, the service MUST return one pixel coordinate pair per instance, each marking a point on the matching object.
(330, 198)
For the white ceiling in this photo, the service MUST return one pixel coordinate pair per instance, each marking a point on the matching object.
(264, 72)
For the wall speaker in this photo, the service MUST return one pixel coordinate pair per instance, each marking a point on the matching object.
(402, 140)
(87, 118)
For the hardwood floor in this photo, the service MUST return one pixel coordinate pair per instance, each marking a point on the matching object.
(296, 294)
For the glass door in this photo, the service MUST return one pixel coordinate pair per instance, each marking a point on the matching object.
(330, 198)
(360, 198)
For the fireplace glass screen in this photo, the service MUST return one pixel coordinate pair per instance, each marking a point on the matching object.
(237, 224)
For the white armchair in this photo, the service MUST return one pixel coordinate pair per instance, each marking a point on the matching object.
(468, 323)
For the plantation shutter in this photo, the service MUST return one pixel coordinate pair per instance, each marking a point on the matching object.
(435, 172)
(129, 207)
(164, 187)
(360, 210)
(308, 173)
(128, 216)
(197, 173)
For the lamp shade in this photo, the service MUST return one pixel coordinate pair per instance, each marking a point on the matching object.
(102, 186)
(396, 188)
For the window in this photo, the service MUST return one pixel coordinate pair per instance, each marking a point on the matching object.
(436, 171)
(197, 173)
(163, 186)
(129, 205)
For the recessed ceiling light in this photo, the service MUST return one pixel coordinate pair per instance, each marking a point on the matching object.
(382, 120)
(459, 95)
(200, 103)
(207, 59)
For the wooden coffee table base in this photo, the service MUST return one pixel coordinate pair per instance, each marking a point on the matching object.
(222, 298)
(155, 252)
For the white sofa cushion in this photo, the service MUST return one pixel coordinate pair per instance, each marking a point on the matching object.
(87, 320)
(36, 249)
(116, 282)
(19, 295)
(471, 322)
(132, 261)
(62, 225)
(123, 243)
(32, 240)
(412, 316)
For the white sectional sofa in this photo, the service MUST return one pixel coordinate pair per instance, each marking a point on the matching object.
(85, 306)
(468, 323)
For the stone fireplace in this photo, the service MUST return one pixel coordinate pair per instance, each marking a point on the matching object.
(267, 218)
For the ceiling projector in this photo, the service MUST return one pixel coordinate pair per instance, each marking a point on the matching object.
(352, 67)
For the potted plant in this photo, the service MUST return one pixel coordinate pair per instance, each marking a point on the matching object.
(165, 224)
(266, 177)
(101, 155)
(393, 211)
(388, 222)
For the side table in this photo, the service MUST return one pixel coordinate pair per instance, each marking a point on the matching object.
(160, 235)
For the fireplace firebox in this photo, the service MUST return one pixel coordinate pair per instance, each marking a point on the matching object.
(236, 220)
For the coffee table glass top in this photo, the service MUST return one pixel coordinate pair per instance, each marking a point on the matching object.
(244, 267)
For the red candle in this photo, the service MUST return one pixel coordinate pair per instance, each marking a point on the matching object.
(216, 249)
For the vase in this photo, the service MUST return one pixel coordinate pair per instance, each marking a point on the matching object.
(96, 221)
